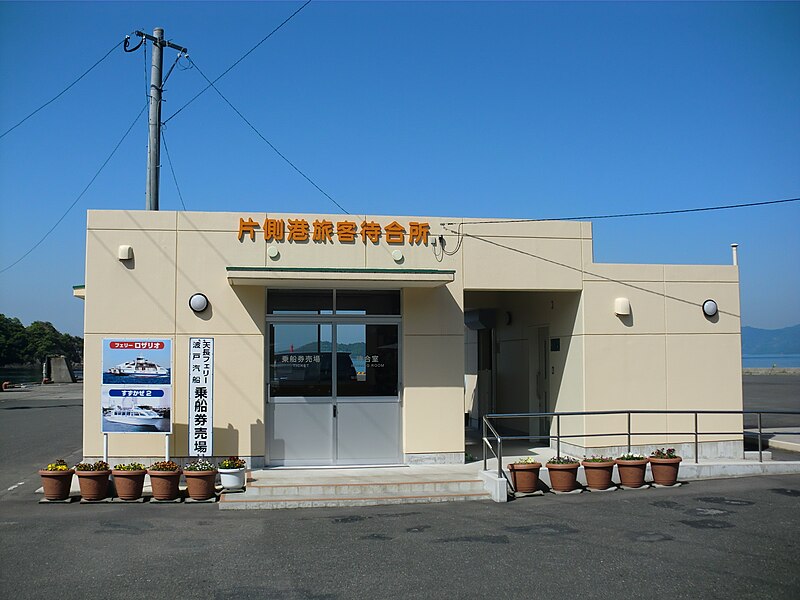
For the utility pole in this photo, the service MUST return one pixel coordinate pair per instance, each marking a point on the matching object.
(154, 140)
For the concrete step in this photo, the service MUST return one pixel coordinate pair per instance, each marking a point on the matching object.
(366, 488)
(265, 492)
(275, 501)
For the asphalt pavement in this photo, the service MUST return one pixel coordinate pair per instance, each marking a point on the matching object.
(37, 426)
(734, 538)
(772, 392)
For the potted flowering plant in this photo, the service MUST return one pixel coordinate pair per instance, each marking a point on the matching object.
(129, 480)
(201, 477)
(56, 480)
(664, 465)
(598, 471)
(93, 479)
(631, 468)
(563, 471)
(165, 476)
(232, 473)
(525, 474)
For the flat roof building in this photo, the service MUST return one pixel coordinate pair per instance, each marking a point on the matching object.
(294, 339)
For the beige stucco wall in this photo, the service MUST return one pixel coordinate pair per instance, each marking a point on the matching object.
(178, 254)
(667, 355)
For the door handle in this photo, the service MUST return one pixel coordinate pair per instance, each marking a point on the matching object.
(334, 411)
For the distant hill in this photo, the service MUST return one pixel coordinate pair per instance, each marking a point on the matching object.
(771, 341)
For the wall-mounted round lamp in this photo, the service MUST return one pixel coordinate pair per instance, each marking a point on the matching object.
(272, 251)
(397, 255)
(198, 302)
(709, 308)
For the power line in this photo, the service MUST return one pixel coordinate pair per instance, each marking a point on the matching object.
(62, 92)
(270, 144)
(245, 55)
(625, 215)
(580, 270)
(171, 168)
(74, 202)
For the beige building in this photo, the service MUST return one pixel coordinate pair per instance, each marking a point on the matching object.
(372, 340)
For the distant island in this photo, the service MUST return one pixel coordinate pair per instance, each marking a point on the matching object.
(771, 341)
(31, 345)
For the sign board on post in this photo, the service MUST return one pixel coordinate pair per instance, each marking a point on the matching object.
(201, 397)
(136, 389)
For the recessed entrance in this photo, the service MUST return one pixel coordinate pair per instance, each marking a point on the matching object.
(333, 387)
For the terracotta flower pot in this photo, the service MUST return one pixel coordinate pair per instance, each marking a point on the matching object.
(201, 484)
(94, 484)
(631, 472)
(598, 474)
(563, 478)
(525, 476)
(56, 484)
(165, 484)
(232, 479)
(129, 484)
(665, 470)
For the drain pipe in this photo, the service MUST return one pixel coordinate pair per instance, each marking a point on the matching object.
(735, 252)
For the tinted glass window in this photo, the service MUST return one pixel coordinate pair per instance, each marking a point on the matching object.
(378, 302)
(300, 360)
(300, 302)
(369, 355)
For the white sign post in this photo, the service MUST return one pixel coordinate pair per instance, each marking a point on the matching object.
(201, 397)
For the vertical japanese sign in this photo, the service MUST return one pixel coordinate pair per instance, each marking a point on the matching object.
(136, 389)
(201, 396)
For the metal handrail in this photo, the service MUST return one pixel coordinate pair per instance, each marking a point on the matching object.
(487, 440)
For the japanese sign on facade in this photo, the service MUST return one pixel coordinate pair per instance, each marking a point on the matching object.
(322, 231)
(201, 396)
(136, 389)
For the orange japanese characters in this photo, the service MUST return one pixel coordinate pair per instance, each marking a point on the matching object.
(324, 231)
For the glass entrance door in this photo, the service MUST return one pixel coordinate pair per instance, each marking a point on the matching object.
(367, 397)
(300, 393)
(323, 411)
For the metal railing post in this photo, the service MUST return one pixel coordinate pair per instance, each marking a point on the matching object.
(499, 457)
(483, 440)
(629, 432)
(759, 438)
(558, 435)
(696, 441)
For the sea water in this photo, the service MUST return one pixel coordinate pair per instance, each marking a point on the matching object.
(767, 361)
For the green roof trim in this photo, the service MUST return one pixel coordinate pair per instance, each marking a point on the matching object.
(79, 287)
(341, 270)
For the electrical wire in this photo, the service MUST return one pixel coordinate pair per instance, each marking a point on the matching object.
(583, 271)
(146, 81)
(177, 58)
(74, 202)
(626, 215)
(270, 144)
(245, 55)
(64, 91)
(172, 169)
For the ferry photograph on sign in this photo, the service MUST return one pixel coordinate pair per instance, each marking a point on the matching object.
(137, 386)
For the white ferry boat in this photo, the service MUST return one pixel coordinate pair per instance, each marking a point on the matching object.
(132, 416)
(141, 367)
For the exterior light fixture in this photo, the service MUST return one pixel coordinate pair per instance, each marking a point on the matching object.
(198, 302)
(125, 252)
(622, 307)
(397, 255)
(272, 251)
(710, 308)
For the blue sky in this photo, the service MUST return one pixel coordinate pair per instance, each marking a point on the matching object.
(458, 109)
